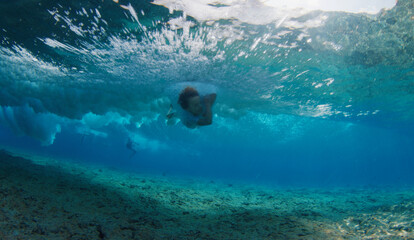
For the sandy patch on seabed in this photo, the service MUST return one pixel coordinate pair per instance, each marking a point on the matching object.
(44, 198)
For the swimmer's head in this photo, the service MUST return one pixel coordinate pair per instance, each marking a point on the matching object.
(189, 100)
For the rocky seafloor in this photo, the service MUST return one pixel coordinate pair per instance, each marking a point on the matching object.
(45, 198)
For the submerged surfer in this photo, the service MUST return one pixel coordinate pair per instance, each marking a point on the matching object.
(133, 146)
(197, 109)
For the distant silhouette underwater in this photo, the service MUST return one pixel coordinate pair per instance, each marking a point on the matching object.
(131, 145)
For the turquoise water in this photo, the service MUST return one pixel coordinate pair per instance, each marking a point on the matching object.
(304, 96)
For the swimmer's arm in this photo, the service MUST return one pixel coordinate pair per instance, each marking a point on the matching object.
(170, 113)
(208, 114)
(211, 98)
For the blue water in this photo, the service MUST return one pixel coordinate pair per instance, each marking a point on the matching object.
(304, 97)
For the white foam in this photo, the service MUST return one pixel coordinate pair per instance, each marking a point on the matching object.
(144, 143)
(24, 121)
(352, 6)
(131, 10)
(268, 11)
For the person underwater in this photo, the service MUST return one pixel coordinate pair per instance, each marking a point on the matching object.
(133, 146)
(197, 110)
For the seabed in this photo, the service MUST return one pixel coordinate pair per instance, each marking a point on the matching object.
(46, 198)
